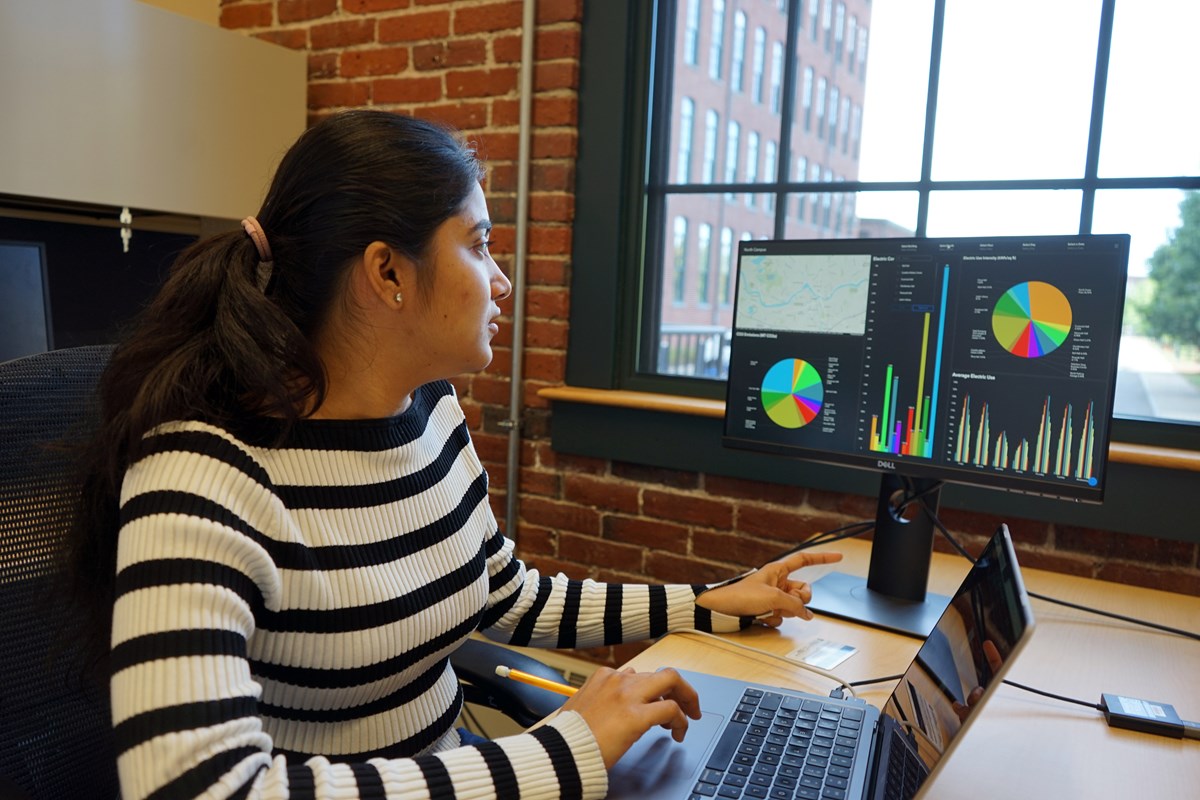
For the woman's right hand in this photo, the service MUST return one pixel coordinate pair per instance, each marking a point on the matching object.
(621, 706)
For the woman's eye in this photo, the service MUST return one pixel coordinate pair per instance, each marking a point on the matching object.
(483, 246)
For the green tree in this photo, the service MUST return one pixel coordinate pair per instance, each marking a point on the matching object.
(1173, 311)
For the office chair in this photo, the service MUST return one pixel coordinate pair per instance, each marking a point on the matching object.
(55, 728)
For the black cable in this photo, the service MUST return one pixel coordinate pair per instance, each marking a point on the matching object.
(1053, 696)
(1122, 617)
(1132, 620)
(867, 681)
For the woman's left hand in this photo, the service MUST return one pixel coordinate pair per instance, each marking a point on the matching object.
(769, 593)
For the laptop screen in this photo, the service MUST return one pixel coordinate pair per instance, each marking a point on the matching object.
(978, 633)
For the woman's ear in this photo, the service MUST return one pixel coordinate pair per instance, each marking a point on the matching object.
(384, 271)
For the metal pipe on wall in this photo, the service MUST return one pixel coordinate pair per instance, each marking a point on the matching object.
(520, 246)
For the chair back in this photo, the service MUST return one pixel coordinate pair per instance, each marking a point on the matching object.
(56, 737)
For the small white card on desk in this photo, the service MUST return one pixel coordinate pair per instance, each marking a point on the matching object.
(823, 653)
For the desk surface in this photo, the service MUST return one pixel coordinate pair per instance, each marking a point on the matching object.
(1022, 745)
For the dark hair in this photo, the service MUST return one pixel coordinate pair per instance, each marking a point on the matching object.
(214, 345)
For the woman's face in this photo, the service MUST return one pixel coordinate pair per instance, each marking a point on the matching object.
(457, 319)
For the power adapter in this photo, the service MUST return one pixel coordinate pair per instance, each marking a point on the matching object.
(1147, 716)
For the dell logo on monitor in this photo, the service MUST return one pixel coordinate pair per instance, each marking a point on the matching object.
(886, 464)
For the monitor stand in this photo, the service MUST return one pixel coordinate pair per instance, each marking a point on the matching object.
(893, 595)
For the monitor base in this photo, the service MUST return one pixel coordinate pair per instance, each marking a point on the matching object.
(847, 596)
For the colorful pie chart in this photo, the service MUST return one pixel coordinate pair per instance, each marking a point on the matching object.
(1032, 319)
(792, 393)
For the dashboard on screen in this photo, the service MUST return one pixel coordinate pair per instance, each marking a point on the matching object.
(989, 361)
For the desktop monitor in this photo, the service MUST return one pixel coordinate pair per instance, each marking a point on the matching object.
(989, 361)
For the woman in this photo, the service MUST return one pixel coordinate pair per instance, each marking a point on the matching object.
(285, 491)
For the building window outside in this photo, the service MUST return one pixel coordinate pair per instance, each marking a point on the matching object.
(679, 249)
(776, 76)
(737, 58)
(687, 114)
(846, 134)
(760, 58)
(716, 49)
(703, 262)
(691, 33)
(712, 123)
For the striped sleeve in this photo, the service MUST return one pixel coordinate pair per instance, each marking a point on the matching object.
(527, 608)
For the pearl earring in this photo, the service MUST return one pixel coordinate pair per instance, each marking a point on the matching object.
(399, 298)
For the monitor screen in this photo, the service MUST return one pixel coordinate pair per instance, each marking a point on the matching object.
(989, 361)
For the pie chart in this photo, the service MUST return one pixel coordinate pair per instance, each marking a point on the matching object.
(792, 393)
(1032, 319)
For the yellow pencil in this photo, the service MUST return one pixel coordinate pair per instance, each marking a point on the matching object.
(534, 680)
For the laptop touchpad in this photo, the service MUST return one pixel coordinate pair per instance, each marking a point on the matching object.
(656, 763)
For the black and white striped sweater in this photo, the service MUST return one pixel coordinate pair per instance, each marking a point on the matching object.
(284, 616)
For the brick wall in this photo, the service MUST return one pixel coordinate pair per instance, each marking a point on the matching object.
(459, 62)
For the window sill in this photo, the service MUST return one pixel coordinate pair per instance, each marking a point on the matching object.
(1141, 455)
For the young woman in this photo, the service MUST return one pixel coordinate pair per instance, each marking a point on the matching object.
(286, 518)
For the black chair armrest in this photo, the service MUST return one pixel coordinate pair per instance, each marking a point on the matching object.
(475, 664)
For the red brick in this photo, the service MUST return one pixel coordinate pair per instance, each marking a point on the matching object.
(673, 568)
(555, 144)
(294, 39)
(481, 82)
(506, 112)
(561, 516)
(547, 271)
(659, 476)
(782, 525)
(415, 27)
(407, 90)
(257, 15)
(464, 116)
(302, 10)
(549, 11)
(549, 240)
(344, 33)
(687, 508)
(599, 553)
(552, 176)
(376, 61)
(491, 447)
(552, 207)
(486, 388)
(655, 534)
(500, 146)
(333, 95)
(588, 490)
(551, 111)
(535, 481)
(373, 6)
(1167, 580)
(548, 77)
(487, 18)
(507, 49)
(1126, 547)
(746, 552)
(545, 365)
(546, 333)
(547, 302)
(557, 43)
(535, 540)
(762, 491)
(322, 66)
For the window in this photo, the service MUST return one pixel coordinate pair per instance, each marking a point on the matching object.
(725, 269)
(839, 24)
(691, 33)
(751, 164)
(687, 113)
(703, 262)
(712, 122)
(833, 115)
(732, 132)
(760, 57)
(769, 167)
(737, 61)
(776, 76)
(896, 176)
(716, 48)
(827, 23)
(679, 251)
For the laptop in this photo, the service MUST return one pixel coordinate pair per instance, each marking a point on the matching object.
(761, 741)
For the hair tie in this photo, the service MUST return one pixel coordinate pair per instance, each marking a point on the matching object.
(251, 226)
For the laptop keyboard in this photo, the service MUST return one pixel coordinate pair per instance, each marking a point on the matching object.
(783, 748)
(905, 773)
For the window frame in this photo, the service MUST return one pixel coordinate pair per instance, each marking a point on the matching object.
(615, 226)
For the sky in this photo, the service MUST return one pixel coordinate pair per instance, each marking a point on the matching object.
(1015, 100)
